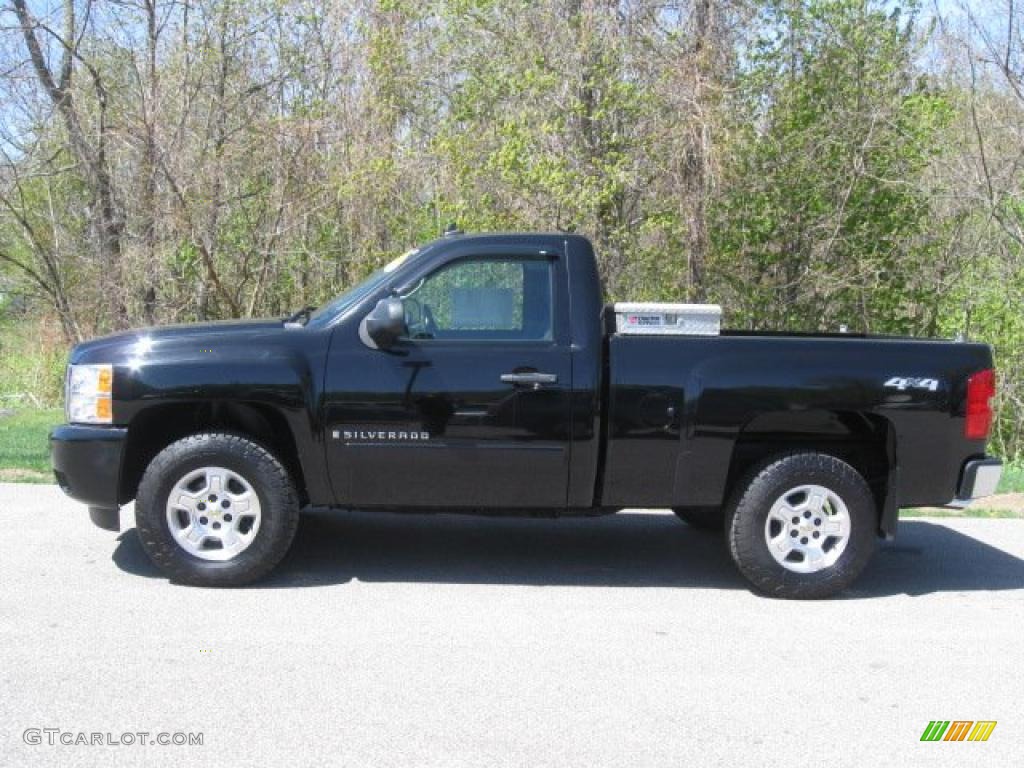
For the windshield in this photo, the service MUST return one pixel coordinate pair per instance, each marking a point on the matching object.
(360, 291)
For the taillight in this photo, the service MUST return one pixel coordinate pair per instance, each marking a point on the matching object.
(981, 387)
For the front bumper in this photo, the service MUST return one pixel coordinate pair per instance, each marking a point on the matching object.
(979, 478)
(87, 463)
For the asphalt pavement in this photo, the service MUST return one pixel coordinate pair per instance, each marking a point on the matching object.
(441, 640)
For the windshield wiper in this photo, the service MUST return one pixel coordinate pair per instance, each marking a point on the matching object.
(301, 317)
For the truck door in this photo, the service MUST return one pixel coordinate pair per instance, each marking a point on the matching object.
(471, 408)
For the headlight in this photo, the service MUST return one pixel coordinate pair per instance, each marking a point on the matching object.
(88, 394)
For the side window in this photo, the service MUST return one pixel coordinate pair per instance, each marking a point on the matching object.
(483, 299)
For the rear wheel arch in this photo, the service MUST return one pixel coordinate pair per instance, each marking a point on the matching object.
(865, 441)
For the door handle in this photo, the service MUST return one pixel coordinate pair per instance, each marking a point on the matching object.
(535, 380)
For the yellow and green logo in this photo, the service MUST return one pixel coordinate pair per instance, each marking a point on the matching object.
(958, 730)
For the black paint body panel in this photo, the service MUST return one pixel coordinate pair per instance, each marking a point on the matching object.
(87, 462)
(723, 388)
(630, 421)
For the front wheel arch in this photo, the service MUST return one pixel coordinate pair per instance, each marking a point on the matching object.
(158, 426)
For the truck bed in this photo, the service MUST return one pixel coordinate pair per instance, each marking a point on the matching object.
(684, 411)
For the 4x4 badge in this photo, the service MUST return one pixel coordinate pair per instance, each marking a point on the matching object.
(909, 382)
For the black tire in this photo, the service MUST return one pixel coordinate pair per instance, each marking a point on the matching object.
(702, 518)
(269, 479)
(747, 516)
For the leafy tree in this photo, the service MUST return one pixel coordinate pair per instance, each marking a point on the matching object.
(825, 205)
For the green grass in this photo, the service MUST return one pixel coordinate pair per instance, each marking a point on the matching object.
(1012, 480)
(32, 361)
(970, 512)
(24, 448)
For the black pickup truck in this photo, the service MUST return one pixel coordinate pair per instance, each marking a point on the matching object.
(484, 374)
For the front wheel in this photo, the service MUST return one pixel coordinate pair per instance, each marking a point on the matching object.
(216, 510)
(803, 526)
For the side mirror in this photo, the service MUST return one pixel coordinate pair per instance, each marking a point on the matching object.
(384, 325)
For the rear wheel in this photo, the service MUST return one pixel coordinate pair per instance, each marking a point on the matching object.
(216, 510)
(802, 526)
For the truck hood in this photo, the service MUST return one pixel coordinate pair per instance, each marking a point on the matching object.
(132, 345)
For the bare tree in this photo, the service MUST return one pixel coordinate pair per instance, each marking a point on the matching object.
(91, 152)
